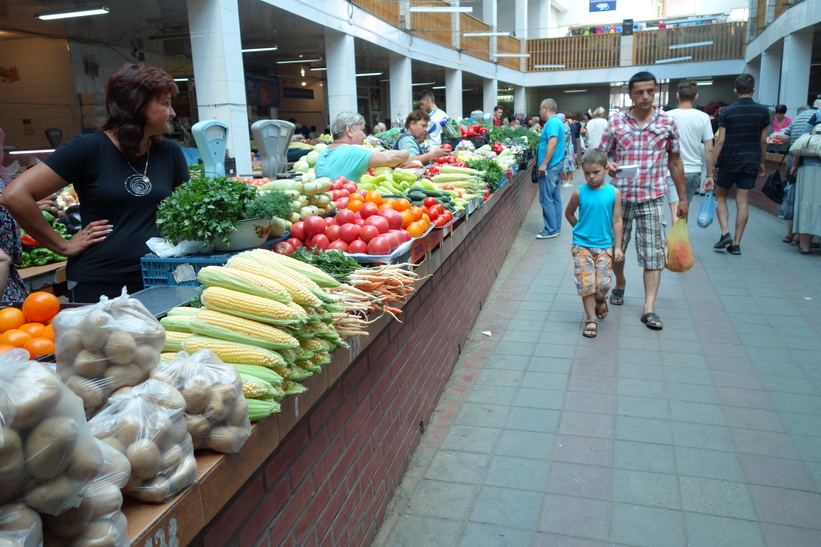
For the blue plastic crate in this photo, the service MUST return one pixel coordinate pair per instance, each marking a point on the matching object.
(183, 270)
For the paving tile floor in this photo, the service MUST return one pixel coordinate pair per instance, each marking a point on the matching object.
(705, 433)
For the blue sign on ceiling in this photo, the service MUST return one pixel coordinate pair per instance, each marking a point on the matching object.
(602, 5)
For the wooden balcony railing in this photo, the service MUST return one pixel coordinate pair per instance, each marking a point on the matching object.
(574, 52)
(436, 27)
(476, 46)
(387, 11)
(509, 44)
(651, 46)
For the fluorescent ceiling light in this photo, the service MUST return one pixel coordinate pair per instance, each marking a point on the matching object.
(575, 91)
(422, 83)
(73, 13)
(549, 66)
(368, 74)
(521, 55)
(438, 87)
(674, 59)
(318, 68)
(479, 34)
(180, 79)
(692, 44)
(40, 151)
(440, 9)
(258, 49)
(704, 83)
(295, 61)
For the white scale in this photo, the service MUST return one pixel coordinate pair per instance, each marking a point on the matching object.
(211, 137)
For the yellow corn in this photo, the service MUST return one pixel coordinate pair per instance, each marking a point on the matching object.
(173, 340)
(298, 291)
(231, 352)
(247, 282)
(210, 323)
(314, 344)
(265, 258)
(250, 306)
(310, 271)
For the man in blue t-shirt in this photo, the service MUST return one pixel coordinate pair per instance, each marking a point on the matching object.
(550, 156)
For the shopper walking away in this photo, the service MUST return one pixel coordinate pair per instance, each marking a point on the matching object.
(647, 138)
(741, 147)
(597, 235)
(807, 211)
(569, 161)
(696, 136)
(438, 118)
(550, 158)
(596, 128)
(794, 131)
(120, 174)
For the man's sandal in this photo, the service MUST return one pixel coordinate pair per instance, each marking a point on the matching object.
(617, 297)
(652, 321)
(601, 308)
(590, 332)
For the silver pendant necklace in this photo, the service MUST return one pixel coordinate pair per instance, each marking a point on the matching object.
(144, 174)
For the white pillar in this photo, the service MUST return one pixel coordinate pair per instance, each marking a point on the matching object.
(401, 90)
(768, 83)
(520, 19)
(453, 93)
(218, 70)
(489, 17)
(490, 96)
(795, 71)
(538, 17)
(341, 62)
(755, 71)
(520, 100)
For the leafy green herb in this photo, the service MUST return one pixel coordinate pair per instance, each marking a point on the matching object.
(493, 171)
(334, 263)
(269, 204)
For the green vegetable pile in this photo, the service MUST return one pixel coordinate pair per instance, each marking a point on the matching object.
(269, 204)
(334, 263)
(505, 134)
(493, 171)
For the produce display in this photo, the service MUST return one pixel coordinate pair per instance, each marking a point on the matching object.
(29, 327)
(35, 254)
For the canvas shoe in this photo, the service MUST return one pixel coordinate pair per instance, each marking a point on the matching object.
(725, 241)
(545, 235)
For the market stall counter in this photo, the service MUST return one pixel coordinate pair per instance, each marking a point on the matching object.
(324, 469)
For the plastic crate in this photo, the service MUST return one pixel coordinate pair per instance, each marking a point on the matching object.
(169, 272)
(477, 140)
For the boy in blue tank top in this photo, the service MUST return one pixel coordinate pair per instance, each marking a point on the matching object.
(597, 236)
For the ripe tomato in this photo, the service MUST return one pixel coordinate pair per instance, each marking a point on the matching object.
(357, 246)
(41, 306)
(355, 204)
(349, 232)
(11, 318)
(416, 212)
(401, 204)
(332, 232)
(393, 217)
(379, 246)
(407, 218)
(386, 204)
(284, 248)
(344, 216)
(368, 232)
(356, 195)
(39, 347)
(14, 337)
(381, 223)
(314, 225)
(298, 230)
(415, 229)
(430, 201)
(338, 245)
(374, 197)
(368, 210)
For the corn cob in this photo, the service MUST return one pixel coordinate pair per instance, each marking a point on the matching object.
(243, 331)
(310, 271)
(264, 257)
(173, 340)
(247, 282)
(230, 352)
(451, 170)
(263, 373)
(293, 388)
(314, 344)
(168, 356)
(177, 323)
(255, 388)
(299, 293)
(257, 410)
(321, 358)
(182, 310)
(249, 306)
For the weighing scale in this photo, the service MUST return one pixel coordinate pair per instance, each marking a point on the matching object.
(211, 137)
(272, 138)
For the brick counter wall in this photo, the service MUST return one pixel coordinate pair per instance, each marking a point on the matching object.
(332, 477)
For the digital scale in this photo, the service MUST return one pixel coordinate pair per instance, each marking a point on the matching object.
(272, 138)
(211, 137)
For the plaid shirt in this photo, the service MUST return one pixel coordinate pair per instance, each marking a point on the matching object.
(628, 144)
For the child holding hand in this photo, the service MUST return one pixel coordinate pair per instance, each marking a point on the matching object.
(597, 237)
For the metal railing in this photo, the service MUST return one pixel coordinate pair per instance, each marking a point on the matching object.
(690, 44)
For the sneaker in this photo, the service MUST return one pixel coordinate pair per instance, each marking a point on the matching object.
(734, 249)
(725, 241)
(566, 185)
(545, 235)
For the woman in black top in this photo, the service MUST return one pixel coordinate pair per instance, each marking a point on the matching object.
(120, 174)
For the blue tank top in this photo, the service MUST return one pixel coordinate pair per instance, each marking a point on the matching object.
(595, 226)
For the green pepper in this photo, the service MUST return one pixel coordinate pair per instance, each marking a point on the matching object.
(48, 216)
(24, 261)
(66, 235)
(60, 228)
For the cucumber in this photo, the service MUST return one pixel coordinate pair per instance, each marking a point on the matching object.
(416, 196)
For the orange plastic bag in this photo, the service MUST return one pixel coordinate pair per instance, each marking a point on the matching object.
(679, 251)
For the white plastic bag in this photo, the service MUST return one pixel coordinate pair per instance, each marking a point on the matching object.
(20, 526)
(165, 249)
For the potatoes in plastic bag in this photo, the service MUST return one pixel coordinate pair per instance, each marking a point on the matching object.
(47, 453)
(99, 516)
(213, 399)
(20, 526)
(103, 347)
(147, 425)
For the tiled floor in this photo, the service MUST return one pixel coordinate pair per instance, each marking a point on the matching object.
(705, 433)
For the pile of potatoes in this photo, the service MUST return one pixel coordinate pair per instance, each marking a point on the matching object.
(105, 346)
(20, 526)
(48, 455)
(147, 424)
(215, 410)
(98, 520)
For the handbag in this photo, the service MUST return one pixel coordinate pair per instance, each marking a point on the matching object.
(534, 173)
(774, 187)
(808, 144)
(785, 213)
(707, 210)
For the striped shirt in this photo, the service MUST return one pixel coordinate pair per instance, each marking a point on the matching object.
(627, 143)
(743, 121)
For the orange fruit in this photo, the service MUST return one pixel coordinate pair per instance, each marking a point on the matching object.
(34, 329)
(387, 203)
(401, 204)
(356, 196)
(355, 205)
(11, 318)
(48, 332)
(415, 229)
(41, 306)
(374, 197)
(15, 338)
(39, 347)
(407, 218)
(416, 212)
(6, 347)
(426, 218)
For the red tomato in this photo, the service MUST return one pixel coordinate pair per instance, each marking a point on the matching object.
(314, 225)
(380, 222)
(357, 246)
(403, 235)
(284, 248)
(328, 222)
(344, 216)
(393, 240)
(379, 246)
(338, 245)
(294, 242)
(298, 230)
(349, 232)
(350, 187)
(368, 210)
(393, 217)
(359, 221)
(368, 232)
(433, 213)
(320, 241)
(341, 203)
(332, 231)
(340, 180)
(430, 202)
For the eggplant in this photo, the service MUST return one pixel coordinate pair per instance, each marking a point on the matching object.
(71, 220)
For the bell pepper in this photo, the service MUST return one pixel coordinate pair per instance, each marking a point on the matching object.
(29, 241)
(48, 216)
(441, 160)
(24, 261)
(60, 228)
(433, 170)
(40, 256)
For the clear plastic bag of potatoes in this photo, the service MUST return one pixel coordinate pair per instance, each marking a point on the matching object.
(48, 456)
(20, 526)
(105, 346)
(215, 409)
(98, 520)
(147, 424)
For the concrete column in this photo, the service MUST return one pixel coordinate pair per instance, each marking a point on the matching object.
(520, 19)
(340, 59)
(539, 19)
(456, 30)
(453, 93)
(401, 90)
(218, 70)
(490, 95)
(795, 71)
(767, 84)
(626, 51)
(489, 17)
(755, 71)
(519, 100)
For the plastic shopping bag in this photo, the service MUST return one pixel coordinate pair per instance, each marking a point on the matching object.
(679, 251)
(707, 210)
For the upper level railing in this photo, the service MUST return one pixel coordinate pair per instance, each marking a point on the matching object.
(696, 43)
(574, 52)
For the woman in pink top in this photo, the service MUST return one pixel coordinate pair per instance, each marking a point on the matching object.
(781, 122)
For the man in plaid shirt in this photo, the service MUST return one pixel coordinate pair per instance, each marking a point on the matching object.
(645, 137)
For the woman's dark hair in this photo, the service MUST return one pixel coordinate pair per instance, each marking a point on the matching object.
(415, 116)
(781, 109)
(127, 94)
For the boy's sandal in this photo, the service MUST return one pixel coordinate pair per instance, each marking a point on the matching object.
(787, 239)
(601, 308)
(652, 321)
(590, 332)
(617, 297)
